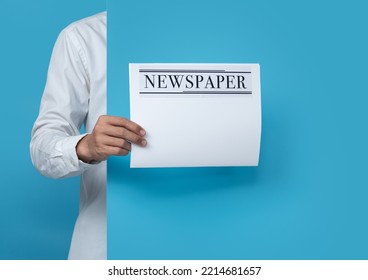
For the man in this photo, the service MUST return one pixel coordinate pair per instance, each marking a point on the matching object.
(75, 96)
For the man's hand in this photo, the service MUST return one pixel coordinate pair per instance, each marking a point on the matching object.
(110, 136)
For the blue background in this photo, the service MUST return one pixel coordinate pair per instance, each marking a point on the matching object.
(37, 214)
(308, 197)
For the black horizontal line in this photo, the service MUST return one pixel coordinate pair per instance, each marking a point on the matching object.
(195, 92)
(190, 71)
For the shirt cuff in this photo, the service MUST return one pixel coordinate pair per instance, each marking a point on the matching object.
(70, 153)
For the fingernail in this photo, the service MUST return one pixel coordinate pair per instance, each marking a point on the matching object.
(142, 132)
(144, 143)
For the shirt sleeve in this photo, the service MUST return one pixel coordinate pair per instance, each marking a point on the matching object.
(63, 110)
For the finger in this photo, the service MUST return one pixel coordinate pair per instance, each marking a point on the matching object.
(116, 151)
(117, 142)
(123, 133)
(123, 122)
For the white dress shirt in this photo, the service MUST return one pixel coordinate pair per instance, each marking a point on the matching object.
(75, 95)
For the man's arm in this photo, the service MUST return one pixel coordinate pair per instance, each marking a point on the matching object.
(57, 147)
